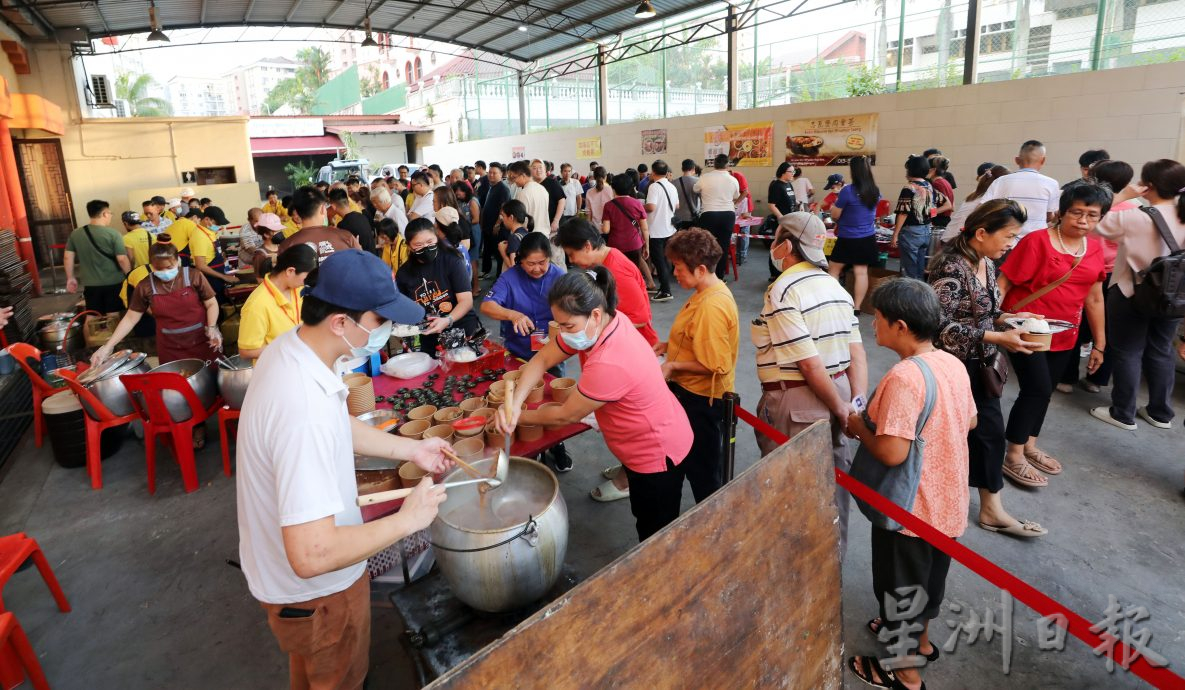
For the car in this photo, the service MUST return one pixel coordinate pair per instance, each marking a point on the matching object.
(340, 170)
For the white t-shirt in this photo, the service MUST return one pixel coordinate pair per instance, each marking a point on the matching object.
(717, 190)
(396, 212)
(1038, 193)
(295, 465)
(572, 192)
(802, 189)
(423, 206)
(959, 218)
(665, 198)
(535, 198)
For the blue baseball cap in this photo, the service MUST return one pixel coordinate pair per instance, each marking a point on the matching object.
(360, 281)
(832, 180)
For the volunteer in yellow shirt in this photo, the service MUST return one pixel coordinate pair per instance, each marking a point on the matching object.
(273, 205)
(205, 254)
(136, 239)
(274, 307)
(391, 245)
(180, 231)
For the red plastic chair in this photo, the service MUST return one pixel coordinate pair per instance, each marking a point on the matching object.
(17, 548)
(178, 436)
(225, 417)
(95, 427)
(732, 253)
(17, 659)
(29, 359)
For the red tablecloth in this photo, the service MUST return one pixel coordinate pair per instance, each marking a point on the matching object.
(388, 385)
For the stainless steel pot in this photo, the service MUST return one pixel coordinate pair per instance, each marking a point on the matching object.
(233, 382)
(200, 377)
(107, 387)
(509, 554)
(60, 332)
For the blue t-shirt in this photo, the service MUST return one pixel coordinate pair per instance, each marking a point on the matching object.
(857, 220)
(516, 290)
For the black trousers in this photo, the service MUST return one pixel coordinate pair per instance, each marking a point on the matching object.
(903, 561)
(1102, 376)
(704, 464)
(658, 255)
(986, 441)
(1036, 374)
(655, 498)
(103, 298)
(490, 258)
(720, 224)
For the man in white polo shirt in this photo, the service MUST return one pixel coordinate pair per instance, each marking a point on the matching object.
(718, 192)
(1038, 193)
(662, 199)
(302, 542)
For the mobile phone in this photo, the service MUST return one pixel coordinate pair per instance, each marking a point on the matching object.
(290, 612)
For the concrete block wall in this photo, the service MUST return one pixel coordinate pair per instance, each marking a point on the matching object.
(1136, 113)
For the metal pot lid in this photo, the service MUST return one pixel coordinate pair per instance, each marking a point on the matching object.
(134, 360)
(365, 463)
(108, 367)
(56, 316)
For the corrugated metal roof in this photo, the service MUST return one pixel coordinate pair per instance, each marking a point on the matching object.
(487, 25)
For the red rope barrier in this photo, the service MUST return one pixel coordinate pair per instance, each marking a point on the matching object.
(1030, 596)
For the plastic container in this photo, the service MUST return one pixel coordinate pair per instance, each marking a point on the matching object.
(409, 365)
(65, 425)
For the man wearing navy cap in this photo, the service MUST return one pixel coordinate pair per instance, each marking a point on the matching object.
(302, 542)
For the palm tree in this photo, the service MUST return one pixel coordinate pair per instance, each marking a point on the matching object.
(313, 72)
(134, 89)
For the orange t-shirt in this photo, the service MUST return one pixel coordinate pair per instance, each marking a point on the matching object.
(943, 495)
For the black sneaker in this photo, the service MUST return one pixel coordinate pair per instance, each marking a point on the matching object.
(663, 297)
(560, 458)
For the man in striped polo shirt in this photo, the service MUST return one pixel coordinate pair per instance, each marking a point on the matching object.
(810, 359)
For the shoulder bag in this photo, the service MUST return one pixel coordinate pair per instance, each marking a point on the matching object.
(692, 209)
(104, 252)
(993, 371)
(1160, 293)
(1048, 288)
(633, 221)
(899, 484)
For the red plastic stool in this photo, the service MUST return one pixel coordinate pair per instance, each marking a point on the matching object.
(17, 659)
(94, 427)
(178, 436)
(225, 417)
(29, 359)
(15, 549)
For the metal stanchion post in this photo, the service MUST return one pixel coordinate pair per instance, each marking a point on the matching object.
(731, 401)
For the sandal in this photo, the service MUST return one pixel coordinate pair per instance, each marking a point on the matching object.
(607, 493)
(868, 668)
(874, 626)
(611, 472)
(1043, 461)
(1024, 474)
(1025, 529)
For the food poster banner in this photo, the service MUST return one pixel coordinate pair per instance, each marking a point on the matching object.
(518, 153)
(747, 146)
(654, 142)
(831, 140)
(588, 148)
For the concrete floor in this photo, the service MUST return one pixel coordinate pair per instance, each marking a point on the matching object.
(156, 605)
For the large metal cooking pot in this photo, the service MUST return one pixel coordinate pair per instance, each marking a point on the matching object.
(233, 382)
(60, 331)
(509, 554)
(201, 378)
(105, 384)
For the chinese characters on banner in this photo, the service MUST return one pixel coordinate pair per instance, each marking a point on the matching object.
(588, 148)
(748, 145)
(654, 142)
(518, 153)
(831, 140)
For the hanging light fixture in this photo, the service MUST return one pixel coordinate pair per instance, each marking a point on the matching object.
(645, 10)
(156, 34)
(369, 41)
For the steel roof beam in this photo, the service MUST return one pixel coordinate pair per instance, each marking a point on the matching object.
(292, 12)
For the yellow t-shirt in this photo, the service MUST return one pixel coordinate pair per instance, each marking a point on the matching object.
(139, 241)
(138, 273)
(290, 228)
(201, 243)
(267, 314)
(707, 330)
(180, 231)
(276, 208)
(395, 254)
(170, 215)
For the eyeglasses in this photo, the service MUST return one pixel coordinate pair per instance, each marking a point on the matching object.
(1079, 213)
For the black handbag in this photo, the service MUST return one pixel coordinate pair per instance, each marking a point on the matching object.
(993, 371)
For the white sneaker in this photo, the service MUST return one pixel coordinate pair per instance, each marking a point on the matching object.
(1103, 414)
(1143, 412)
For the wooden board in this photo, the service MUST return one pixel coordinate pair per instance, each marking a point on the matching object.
(742, 591)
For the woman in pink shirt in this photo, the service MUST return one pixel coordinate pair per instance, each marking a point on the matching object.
(621, 383)
(598, 195)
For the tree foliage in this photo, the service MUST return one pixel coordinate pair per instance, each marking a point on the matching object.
(134, 88)
(300, 174)
(371, 83)
(300, 91)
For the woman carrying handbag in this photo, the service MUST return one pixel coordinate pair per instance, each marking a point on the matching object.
(963, 275)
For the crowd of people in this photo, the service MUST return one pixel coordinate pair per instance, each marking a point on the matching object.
(590, 254)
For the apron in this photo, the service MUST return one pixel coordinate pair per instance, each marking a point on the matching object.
(218, 263)
(180, 323)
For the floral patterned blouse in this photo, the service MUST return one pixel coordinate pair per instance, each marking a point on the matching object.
(969, 308)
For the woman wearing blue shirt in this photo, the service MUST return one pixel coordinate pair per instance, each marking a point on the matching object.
(519, 300)
(854, 213)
